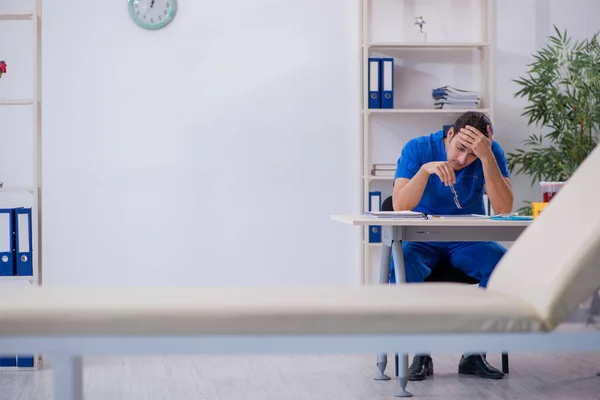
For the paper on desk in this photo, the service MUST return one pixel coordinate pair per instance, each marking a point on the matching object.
(396, 214)
(461, 216)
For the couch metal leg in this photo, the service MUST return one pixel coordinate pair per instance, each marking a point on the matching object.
(67, 373)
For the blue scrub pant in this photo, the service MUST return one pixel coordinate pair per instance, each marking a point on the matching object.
(476, 259)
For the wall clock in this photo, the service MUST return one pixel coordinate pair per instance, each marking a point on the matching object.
(152, 14)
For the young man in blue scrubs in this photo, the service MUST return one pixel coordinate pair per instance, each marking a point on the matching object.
(448, 175)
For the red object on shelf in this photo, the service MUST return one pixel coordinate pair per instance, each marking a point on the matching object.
(548, 196)
(2, 68)
(549, 190)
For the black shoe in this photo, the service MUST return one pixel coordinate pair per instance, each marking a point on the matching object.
(477, 364)
(421, 367)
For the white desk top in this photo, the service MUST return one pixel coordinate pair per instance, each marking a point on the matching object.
(362, 220)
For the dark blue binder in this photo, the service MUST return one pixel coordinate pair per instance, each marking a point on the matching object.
(374, 83)
(375, 205)
(387, 83)
(7, 242)
(23, 238)
(25, 361)
(8, 361)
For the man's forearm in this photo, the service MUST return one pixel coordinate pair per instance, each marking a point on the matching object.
(498, 189)
(408, 196)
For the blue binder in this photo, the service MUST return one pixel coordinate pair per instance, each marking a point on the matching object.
(7, 242)
(387, 83)
(375, 205)
(25, 361)
(374, 82)
(8, 361)
(23, 247)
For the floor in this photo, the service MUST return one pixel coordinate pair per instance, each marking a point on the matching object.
(532, 376)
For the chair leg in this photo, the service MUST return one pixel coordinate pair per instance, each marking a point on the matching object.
(505, 363)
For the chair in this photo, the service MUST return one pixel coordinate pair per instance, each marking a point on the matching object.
(443, 274)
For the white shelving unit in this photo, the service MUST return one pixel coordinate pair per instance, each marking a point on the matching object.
(454, 54)
(23, 129)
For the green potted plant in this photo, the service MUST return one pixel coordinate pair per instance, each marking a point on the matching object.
(562, 88)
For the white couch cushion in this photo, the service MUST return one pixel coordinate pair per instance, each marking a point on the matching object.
(555, 264)
(377, 309)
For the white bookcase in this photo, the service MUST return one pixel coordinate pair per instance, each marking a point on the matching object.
(458, 51)
(20, 131)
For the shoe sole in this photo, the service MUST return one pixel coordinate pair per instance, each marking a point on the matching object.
(418, 378)
(470, 372)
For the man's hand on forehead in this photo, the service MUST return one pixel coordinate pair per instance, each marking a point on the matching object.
(475, 140)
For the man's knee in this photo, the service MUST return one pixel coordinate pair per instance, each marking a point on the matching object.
(493, 255)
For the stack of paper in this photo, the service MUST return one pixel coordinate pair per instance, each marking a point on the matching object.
(384, 170)
(451, 97)
(396, 214)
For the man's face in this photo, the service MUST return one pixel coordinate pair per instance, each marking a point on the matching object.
(458, 155)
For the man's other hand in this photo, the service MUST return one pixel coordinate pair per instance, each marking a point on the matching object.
(441, 169)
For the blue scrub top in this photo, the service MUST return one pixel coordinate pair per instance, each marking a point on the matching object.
(438, 199)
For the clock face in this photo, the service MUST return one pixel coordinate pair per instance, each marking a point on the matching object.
(152, 14)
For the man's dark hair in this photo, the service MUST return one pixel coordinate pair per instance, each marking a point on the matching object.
(476, 119)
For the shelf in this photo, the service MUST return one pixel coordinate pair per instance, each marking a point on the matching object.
(464, 61)
(381, 178)
(427, 46)
(16, 17)
(423, 110)
(16, 102)
(16, 278)
(16, 189)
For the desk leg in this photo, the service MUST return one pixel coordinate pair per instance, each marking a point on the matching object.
(384, 279)
(67, 373)
(400, 273)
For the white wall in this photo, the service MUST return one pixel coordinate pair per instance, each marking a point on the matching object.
(235, 104)
(210, 152)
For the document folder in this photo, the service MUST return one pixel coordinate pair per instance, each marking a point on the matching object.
(23, 247)
(387, 85)
(25, 361)
(375, 205)
(374, 83)
(7, 259)
(8, 361)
